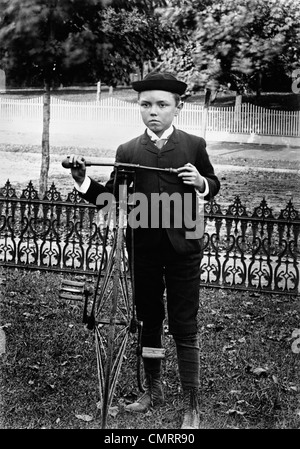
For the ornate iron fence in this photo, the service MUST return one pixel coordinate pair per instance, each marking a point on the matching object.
(248, 251)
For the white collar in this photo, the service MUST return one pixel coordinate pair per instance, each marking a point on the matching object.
(166, 134)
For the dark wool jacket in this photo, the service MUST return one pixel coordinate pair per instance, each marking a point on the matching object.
(180, 149)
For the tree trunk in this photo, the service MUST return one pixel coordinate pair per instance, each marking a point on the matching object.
(238, 100)
(205, 111)
(45, 143)
(237, 112)
(98, 91)
(258, 86)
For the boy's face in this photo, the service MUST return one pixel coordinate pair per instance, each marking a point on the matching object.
(158, 109)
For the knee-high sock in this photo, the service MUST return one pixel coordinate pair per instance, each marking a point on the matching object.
(188, 360)
(151, 337)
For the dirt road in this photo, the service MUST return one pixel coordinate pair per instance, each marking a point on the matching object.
(251, 171)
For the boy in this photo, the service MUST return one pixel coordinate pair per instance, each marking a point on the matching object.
(164, 256)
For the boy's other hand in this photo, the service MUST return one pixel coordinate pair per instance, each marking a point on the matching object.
(190, 176)
(78, 169)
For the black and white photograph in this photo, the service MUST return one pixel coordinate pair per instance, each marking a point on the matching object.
(150, 218)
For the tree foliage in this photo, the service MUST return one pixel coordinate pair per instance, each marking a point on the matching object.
(142, 5)
(65, 41)
(35, 37)
(135, 37)
(35, 47)
(234, 41)
(130, 35)
(49, 42)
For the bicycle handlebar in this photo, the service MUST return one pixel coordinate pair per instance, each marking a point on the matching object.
(66, 164)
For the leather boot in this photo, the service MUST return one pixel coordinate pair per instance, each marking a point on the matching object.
(153, 395)
(191, 417)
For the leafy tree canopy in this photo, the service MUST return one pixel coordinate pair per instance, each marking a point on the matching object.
(35, 35)
(233, 41)
(141, 5)
(65, 41)
(134, 38)
(48, 42)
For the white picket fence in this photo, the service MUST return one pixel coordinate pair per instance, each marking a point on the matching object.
(249, 119)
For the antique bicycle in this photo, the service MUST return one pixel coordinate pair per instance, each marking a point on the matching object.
(109, 308)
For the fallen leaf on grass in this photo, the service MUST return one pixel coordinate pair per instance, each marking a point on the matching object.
(235, 392)
(263, 372)
(220, 403)
(233, 411)
(229, 347)
(34, 367)
(113, 411)
(85, 418)
(275, 379)
(213, 311)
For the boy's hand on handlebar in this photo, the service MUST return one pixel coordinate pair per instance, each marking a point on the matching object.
(78, 169)
(190, 175)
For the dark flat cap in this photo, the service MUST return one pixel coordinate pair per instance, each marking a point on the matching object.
(160, 81)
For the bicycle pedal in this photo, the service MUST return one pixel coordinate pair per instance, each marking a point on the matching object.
(73, 290)
(153, 353)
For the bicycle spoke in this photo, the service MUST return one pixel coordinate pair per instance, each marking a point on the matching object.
(101, 341)
(117, 366)
(109, 360)
(124, 306)
(101, 295)
(112, 318)
(113, 313)
(100, 357)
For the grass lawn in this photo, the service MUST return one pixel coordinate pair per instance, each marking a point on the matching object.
(250, 376)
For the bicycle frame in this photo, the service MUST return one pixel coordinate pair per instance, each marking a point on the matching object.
(106, 298)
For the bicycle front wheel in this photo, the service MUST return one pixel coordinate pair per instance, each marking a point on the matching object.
(113, 314)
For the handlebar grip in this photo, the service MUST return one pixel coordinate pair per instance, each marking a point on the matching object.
(66, 162)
